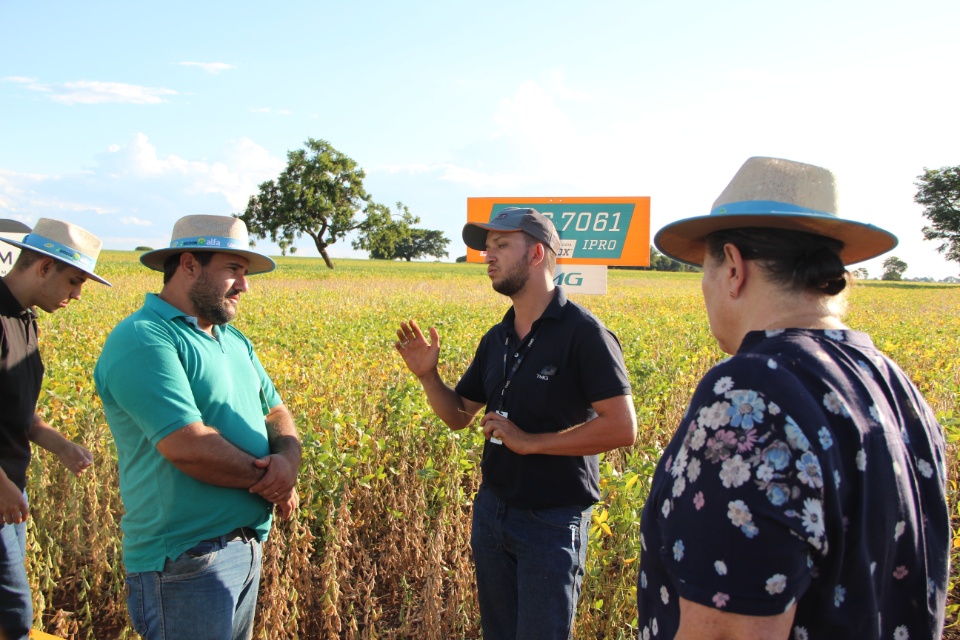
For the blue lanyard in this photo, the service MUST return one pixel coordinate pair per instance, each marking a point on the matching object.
(518, 360)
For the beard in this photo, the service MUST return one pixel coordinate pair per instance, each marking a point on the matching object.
(513, 281)
(210, 301)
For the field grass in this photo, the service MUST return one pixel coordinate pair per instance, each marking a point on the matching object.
(380, 548)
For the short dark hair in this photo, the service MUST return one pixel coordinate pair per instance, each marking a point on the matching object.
(549, 254)
(798, 260)
(173, 261)
(28, 258)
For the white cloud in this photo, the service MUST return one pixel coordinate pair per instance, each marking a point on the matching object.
(135, 185)
(279, 112)
(531, 140)
(26, 196)
(128, 220)
(93, 92)
(236, 177)
(557, 81)
(531, 114)
(212, 68)
(245, 165)
(19, 80)
(410, 169)
(15, 189)
(480, 180)
(448, 172)
(681, 148)
(139, 159)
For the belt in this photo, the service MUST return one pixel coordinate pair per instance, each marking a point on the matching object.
(241, 533)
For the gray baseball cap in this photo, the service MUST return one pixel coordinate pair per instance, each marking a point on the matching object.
(530, 221)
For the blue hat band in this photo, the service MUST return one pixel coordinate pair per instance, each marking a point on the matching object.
(209, 242)
(60, 251)
(751, 207)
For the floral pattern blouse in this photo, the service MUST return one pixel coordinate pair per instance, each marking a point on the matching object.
(807, 471)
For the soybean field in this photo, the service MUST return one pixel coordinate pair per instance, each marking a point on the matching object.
(380, 546)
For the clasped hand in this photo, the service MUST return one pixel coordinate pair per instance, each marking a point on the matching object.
(513, 437)
(278, 484)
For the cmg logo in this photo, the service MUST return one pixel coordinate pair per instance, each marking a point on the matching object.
(581, 278)
(571, 279)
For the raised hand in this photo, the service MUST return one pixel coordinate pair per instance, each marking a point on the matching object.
(420, 356)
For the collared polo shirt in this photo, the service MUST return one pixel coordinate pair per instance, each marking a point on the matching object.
(158, 373)
(21, 374)
(573, 362)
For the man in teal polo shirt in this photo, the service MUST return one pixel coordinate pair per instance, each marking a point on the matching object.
(206, 447)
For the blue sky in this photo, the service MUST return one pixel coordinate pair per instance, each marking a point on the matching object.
(123, 116)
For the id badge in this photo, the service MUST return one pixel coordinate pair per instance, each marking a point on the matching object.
(498, 440)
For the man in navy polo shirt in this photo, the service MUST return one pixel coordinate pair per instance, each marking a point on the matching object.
(556, 392)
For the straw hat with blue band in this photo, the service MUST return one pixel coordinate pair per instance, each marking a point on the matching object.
(781, 194)
(204, 233)
(65, 242)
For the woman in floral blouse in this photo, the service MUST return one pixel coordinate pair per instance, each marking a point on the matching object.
(802, 495)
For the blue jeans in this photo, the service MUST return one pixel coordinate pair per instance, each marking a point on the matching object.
(208, 593)
(16, 607)
(529, 565)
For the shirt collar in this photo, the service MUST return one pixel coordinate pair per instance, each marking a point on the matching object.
(554, 310)
(10, 306)
(848, 336)
(169, 312)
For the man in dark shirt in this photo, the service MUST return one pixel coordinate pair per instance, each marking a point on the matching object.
(55, 260)
(556, 392)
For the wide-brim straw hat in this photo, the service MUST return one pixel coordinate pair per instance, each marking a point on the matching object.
(65, 242)
(202, 233)
(781, 194)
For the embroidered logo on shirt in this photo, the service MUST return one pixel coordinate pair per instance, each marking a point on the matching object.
(546, 372)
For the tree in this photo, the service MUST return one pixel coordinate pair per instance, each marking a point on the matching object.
(318, 194)
(422, 243)
(389, 238)
(938, 190)
(861, 273)
(660, 262)
(893, 268)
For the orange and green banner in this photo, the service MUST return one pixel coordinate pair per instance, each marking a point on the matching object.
(600, 231)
